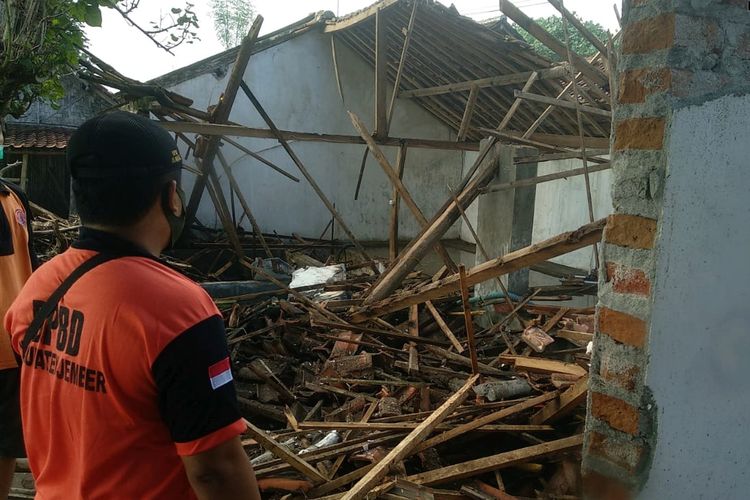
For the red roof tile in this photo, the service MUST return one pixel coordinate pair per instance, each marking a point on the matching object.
(22, 136)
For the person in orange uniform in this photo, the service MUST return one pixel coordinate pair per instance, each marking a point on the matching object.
(16, 261)
(126, 386)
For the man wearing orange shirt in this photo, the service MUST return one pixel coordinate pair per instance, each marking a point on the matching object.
(16, 259)
(126, 386)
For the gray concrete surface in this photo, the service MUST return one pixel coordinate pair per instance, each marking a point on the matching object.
(700, 336)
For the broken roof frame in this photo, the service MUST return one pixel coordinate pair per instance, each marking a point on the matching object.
(402, 41)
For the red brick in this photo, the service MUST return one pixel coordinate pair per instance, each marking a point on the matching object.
(615, 412)
(655, 33)
(628, 280)
(630, 231)
(636, 85)
(599, 487)
(623, 328)
(640, 133)
(624, 455)
(624, 378)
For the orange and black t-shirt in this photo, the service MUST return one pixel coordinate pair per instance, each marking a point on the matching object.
(15, 258)
(130, 373)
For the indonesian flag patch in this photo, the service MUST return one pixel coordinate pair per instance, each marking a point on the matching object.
(220, 373)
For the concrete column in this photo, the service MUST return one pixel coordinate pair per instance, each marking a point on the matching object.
(668, 389)
(505, 219)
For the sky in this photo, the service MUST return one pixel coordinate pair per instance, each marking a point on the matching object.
(135, 56)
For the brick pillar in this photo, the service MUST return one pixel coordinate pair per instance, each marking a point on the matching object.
(673, 54)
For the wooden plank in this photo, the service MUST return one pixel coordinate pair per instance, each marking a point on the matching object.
(579, 26)
(540, 365)
(331, 208)
(495, 462)
(501, 186)
(485, 420)
(402, 61)
(565, 143)
(296, 462)
(216, 129)
(381, 72)
(377, 153)
(516, 15)
(468, 320)
(564, 404)
(395, 202)
(221, 115)
(405, 426)
(413, 331)
(443, 326)
(494, 81)
(561, 103)
(404, 448)
(574, 336)
(468, 113)
(519, 259)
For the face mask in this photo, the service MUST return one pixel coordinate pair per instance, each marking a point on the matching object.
(176, 223)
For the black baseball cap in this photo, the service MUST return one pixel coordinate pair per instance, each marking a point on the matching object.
(121, 144)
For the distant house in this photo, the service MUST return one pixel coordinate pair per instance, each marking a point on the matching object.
(35, 143)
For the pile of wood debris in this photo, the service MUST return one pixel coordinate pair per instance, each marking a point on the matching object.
(398, 398)
(426, 394)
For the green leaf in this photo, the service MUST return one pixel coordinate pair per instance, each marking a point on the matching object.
(93, 16)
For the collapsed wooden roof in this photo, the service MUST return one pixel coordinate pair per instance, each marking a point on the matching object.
(449, 54)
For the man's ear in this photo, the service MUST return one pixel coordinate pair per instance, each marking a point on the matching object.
(175, 202)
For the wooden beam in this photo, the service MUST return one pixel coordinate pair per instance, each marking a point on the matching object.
(555, 142)
(519, 259)
(395, 202)
(516, 15)
(215, 129)
(517, 102)
(406, 426)
(468, 113)
(381, 72)
(547, 366)
(564, 404)
(287, 456)
(444, 327)
(544, 178)
(468, 320)
(399, 185)
(445, 218)
(331, 208)
(402, 61)
(488, 464)
(259, 158)
(358, 17)
(413, 331)
(245, 205)
(476, 423)
(221, 115)
(404, 448)
(561, 103)
(579, 26)
(553, 73)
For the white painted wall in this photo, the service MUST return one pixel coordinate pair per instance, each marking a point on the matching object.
(699, 339)
(561, 205)
(295, 81)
